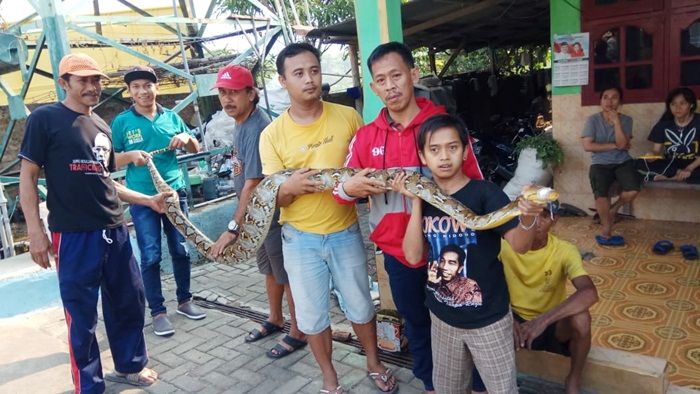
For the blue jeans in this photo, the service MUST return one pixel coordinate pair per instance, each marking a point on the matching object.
(408, 291)
(147, 224)
(311, 260)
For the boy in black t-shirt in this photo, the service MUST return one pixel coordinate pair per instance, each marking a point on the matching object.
(467, 293)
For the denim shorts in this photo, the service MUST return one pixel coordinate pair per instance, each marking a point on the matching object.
(311, 260)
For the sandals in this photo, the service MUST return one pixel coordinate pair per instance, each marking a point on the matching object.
(256, 334)
(279, 350)
(662, 247)
(690, 252)
(385, 377)
(615, 240)
(134, 379)
(337, 390)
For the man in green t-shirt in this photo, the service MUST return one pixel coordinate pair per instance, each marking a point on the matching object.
(146, 127)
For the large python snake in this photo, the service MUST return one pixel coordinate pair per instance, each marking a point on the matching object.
(260, 209)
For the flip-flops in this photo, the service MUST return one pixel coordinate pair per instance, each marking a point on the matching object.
(615, 240)
(662, 247)
(134, 379)
(279, 350)
(384, 377)
(690, 252)
(256, 334)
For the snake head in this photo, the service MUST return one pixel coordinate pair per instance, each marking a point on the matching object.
(540, 194)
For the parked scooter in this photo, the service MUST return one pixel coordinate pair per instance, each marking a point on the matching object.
(496, 150)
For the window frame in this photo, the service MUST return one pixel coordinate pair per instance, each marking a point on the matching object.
(664, 19)
(679, 20)
(652, 24)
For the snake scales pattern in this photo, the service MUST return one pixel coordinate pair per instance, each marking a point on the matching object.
(260, 209)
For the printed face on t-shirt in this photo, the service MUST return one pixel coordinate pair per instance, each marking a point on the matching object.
(449, 265)
(101, 149)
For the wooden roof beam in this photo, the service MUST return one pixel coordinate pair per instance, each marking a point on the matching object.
(472, 9)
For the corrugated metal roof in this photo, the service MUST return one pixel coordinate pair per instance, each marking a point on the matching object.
(470, 24)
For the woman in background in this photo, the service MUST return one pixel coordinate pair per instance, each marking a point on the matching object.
(607, 135)
(676, 137)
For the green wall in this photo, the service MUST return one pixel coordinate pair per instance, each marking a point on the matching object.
(565, 18)
(378, 22)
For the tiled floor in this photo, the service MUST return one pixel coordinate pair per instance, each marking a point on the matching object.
(649, 304)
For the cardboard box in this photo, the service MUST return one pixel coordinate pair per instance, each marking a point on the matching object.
(389, 331)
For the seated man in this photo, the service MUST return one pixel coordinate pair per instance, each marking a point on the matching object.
(544, 318)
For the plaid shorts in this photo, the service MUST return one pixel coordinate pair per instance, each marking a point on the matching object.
(457, 350)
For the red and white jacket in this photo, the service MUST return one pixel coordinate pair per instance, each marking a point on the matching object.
(385, 145)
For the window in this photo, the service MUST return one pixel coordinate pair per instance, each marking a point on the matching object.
(628, 53)
(685, 51)
(646, 53)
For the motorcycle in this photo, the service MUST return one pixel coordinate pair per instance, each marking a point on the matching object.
(496, 150)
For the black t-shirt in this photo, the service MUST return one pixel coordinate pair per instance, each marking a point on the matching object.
(76, 153)
(467, 287)
(680, 143)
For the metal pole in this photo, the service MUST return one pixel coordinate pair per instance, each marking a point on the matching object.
(262, 67)
(8, 246)
(281, 15)
(307, 10)
(294, 12)
(96, 7)
(186, 67)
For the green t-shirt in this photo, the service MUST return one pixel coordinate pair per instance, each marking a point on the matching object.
(133, 131)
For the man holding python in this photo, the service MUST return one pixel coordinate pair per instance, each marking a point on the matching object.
(389, 142)
(145, 127)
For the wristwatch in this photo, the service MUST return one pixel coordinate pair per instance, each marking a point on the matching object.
(233, 227)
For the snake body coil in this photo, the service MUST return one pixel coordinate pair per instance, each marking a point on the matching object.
(260, 209)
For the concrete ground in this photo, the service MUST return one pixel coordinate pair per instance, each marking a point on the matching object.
(207, 356)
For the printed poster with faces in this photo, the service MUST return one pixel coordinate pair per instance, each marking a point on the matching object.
(570, 56)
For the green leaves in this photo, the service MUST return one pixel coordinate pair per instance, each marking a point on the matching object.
(548, 149)
(321, 12)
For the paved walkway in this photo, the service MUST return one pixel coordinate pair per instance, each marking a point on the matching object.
(206, 356)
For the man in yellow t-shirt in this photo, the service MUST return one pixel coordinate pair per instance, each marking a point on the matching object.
(320, 238)
(544, 317)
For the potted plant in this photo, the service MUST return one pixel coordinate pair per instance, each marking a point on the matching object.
(537, 156)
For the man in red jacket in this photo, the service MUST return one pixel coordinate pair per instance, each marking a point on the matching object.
(390, 142)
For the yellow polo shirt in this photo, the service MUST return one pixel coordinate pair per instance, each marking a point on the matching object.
(537, 279)
(322, 144)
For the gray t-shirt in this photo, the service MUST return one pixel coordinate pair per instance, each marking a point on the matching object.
(246, 143)
(603, 133)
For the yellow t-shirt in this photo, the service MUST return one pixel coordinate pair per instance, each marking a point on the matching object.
(537, 279)
(321, 144)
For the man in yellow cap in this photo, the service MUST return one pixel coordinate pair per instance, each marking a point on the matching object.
(91, 247)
